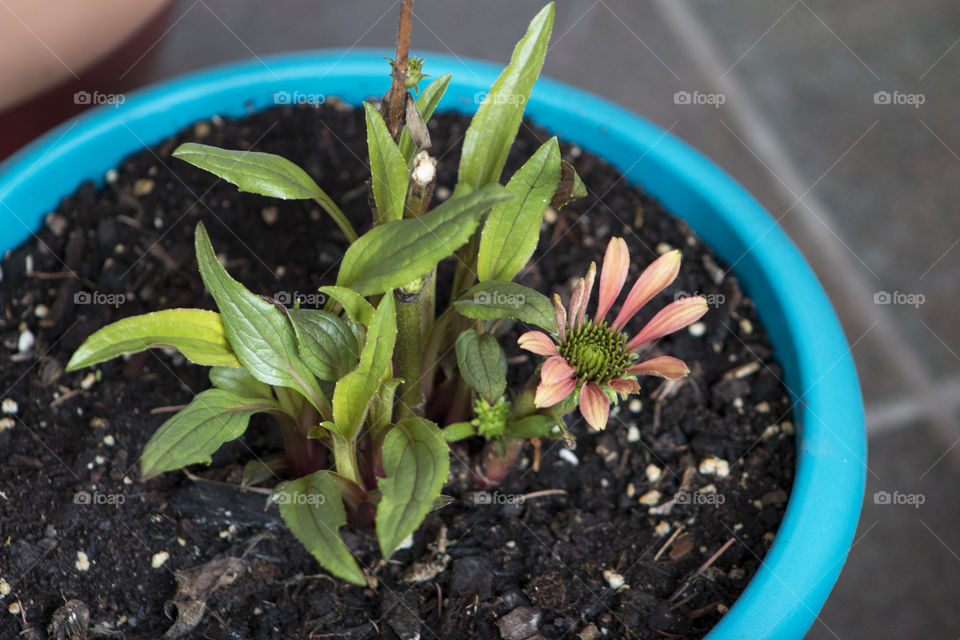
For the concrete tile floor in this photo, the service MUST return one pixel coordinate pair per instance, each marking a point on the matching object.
(866, 189)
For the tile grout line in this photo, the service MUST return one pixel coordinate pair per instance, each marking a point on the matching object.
(754, 126)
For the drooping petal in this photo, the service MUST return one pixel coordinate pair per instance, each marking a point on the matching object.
(587, 292)
(624, 386)
(654, 279)
(576, 299)
(556, 382)
(539, 343)
(672, 317)
(594, 405)
(616, 264)
(664, 366)
(561, 317)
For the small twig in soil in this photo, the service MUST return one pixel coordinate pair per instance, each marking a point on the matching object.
(65, 397)
(196, 478)
(702, 611)
(536, 454)
(47, 275)
(544, 493)
(439, 600)
(167, 409)
(703, 567)
(666, 545)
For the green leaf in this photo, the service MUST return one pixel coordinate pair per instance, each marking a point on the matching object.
(426, 104)
(199, 335)
(495, 125)
(381, 411)
(253, 171)
(313, 510)
(459, 431)
(571, 187)
(388, 169)
(482, 364)
(393, 254)
(261, 335)
(239, 381)
(416, 460)
(512, 229)
(354, 304)
(353, 393)
(192, 434)
(327, 343)
(535, 426)
(256, 471)
(263, 173)
(495, 299)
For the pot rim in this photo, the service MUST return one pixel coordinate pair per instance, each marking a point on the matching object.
(785, 596)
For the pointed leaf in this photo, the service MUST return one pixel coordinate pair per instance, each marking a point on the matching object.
(393, 254)
(256, 471)
(192, 434)
(327, 343)
(261, 335)
(388, 169)
(199, 335)
(355, 305)
(253, 171)
(313, 510)
(416, 460)
(571, 187)
(353, 394)
(459, 431)
(426, 104)
(512, 229)
(495, 299)
(495, 125)
(482, 364)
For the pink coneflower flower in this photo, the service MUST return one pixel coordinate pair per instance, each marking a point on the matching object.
(599, 358)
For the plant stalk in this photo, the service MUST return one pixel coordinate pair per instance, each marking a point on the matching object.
(409, 354)
(398, 90)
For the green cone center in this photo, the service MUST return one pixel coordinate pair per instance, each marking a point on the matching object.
(596, 352)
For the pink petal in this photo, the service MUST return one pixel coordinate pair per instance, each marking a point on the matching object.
(581, 296)
(654, 279)
(539, 343)
(556, 382)
(664, 366)
(588, 291)
(672, 317)
(561, 317)
(594, 405)
(616, 263)
(624, 386)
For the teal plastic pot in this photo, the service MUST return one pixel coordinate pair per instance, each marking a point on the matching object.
(788, 591)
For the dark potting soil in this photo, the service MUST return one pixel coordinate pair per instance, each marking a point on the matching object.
(650, 529)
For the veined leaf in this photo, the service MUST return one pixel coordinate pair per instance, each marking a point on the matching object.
(381, 411)
(495, 125)
(253, 171)
(327, 343)
(416, 460)
(354, 304)
(512, 229)
(393, 254)
(261, 335)
(427, 102)
(495, 299)
(256, 471)
(313, 510)
(239, 381)
(388, 169)
(199, 335)
(482, 364)
(353, 393)
(213, 417)
(263, 173)
(535, 426)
